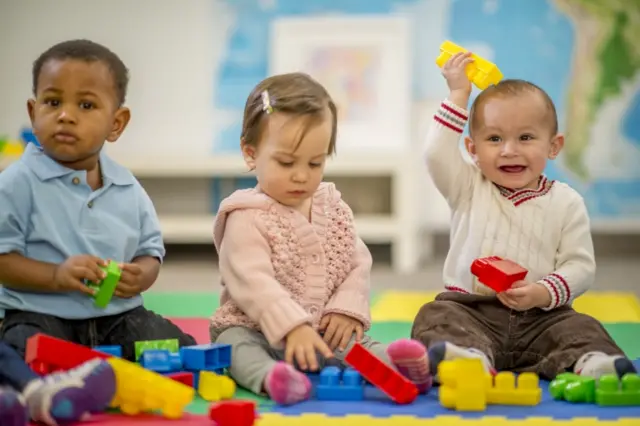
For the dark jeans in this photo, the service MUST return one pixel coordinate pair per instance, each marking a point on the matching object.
(14, 372)
(123, 330)
(545, 342)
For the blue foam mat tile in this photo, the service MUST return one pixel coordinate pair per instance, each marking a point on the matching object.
(376, 404)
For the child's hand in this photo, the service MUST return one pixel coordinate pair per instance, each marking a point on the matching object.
(454, 72)
(302, 343)
(130, 283)
(339, 328)
(72, 273)
(523, 296)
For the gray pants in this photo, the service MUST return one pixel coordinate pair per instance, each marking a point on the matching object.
(252, 357)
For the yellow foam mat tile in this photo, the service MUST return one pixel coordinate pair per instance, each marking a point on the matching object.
(271, 419)
(606, 307)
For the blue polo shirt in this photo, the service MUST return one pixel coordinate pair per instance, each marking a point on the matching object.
(49, 213)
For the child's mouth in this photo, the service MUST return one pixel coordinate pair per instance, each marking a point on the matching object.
(512, 169)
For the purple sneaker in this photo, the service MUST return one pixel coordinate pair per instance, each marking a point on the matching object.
(13, 408)
(72, 395)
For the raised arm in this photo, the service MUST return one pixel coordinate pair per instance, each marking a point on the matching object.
(248, 275)
(575, 260)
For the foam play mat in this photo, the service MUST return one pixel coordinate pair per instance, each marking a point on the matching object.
(393, 313)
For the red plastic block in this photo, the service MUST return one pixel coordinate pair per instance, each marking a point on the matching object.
(395, 385)
(496, 273)
(182, 377)
(233, 413)
(58, 354)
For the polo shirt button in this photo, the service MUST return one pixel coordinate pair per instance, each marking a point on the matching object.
(90, 204)
(75, 180)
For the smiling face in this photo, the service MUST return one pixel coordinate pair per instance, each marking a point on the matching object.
(512, 137)
(289, 156)
(75, 110)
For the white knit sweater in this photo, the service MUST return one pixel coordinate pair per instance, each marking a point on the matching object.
(546, 230)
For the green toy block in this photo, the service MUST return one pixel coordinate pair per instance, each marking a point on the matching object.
(171, 345)
(612, 391)
(105, 288)
(573, 388)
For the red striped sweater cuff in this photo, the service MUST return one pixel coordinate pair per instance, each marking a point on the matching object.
(558, 289)
(451, 116)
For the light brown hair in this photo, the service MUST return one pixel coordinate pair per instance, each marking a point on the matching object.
(512, 87)
(293, 93)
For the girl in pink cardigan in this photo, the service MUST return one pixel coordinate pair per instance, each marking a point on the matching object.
(295, 274)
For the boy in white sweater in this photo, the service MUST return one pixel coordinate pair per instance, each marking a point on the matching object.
(504, 206)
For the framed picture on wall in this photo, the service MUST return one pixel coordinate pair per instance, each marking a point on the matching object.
(365, 64)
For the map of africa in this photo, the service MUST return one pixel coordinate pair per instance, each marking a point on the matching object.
(584, 53)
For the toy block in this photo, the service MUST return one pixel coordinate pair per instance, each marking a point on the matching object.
(208, 357)
(379, 374)
(161, 360)
(463, 384)
(106, 287)
(337, 385)
(171, 345)
(214, 387)
(496, 273)
(58, 354)
(139, 390)
(183, 377)
(573, 388)
(481, 72)
(233, 413)
(113, 350)
(612, 391)
(504, 391)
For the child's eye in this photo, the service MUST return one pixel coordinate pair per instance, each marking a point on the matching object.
(52, 102)
(494, 138)
(526, 137)
(315, 164)
(285, 164)
(86, 105)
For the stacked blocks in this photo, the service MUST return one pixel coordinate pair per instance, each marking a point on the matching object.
(609, 390)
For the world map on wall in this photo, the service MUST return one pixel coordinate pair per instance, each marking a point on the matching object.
(584, 53)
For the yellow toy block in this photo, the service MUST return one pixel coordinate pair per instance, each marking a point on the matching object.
(481, 72)
(463, 385)
(504, 391)
(141, 390)
(213, 387)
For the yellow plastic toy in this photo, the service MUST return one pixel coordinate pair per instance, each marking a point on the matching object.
(465, 386)
(481, 72)
(213, 387)
(140, 390)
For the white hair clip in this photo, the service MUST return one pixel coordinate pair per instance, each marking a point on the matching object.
(266, 103)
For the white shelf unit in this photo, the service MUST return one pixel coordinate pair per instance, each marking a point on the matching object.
(399, 228)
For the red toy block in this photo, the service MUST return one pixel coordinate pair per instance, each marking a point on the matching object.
(497, 273)
(395, 385)
(182, 377)
(233, 413)
(58, 354)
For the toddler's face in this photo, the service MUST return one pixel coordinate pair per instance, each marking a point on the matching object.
(512, 139)
(290, 156)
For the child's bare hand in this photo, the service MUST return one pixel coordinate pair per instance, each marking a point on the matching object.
(523, 296)
(338, 330)
(455, 74)
(130, 283)
(72, 273)
(302, 343)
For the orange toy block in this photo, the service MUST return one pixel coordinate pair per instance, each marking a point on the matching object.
(139, 390)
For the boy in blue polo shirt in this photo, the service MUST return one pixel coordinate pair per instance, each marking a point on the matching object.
(67, 209)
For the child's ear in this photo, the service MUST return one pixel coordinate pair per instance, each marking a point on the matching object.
(121, 119)
(249, 154)
(557, 143)
(471, 147)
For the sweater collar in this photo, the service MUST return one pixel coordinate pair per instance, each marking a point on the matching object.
(519, 196)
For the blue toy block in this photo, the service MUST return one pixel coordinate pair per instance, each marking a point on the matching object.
(209, 357)
(336, 385)
(161, 360)
(113, 350)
